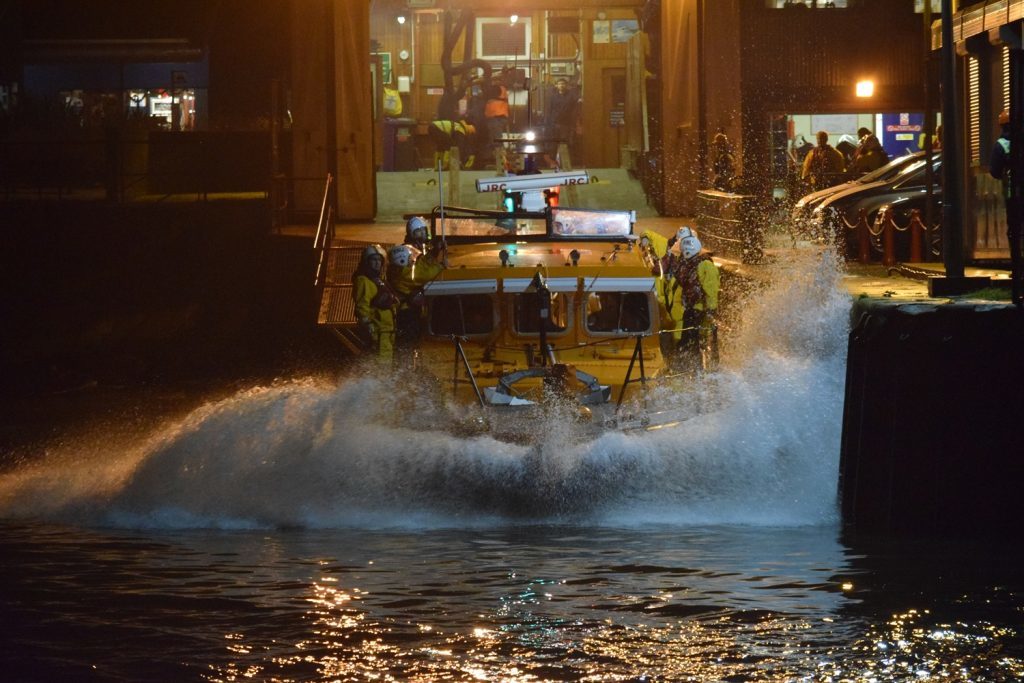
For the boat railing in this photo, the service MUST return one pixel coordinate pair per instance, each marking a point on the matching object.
(460, 355)
(324, 237)
(638, 355)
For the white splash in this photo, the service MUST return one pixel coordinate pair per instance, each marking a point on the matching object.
(759, 445)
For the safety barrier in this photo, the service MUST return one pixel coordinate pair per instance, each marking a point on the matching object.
(881, 237)
(731, 224)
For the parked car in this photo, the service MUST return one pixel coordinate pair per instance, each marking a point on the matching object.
(834, 216)
(804, 207)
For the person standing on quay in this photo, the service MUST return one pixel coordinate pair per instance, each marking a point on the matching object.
(496, 113)
(1000, 167)
(823, 164)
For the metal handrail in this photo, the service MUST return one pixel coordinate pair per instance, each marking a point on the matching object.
(324, 237)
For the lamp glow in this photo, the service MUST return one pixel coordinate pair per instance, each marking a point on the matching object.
(865, 88)
(513, 19)
(401, 18)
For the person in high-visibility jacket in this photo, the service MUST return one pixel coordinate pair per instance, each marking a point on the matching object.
(430, 261)
(699, 282)
(448, 134)
(402, 279)
(374, 303)
(670, 297)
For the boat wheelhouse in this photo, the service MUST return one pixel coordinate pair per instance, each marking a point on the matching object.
(529, 305)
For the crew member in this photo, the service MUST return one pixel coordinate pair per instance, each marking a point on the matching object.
(670, 296)
(402, 279)
(374, 303)
(430, 261)
(417, 232)
(698, 279)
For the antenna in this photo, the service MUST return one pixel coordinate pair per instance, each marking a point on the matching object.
(440, 198)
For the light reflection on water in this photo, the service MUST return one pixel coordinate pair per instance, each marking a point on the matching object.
(513, 603)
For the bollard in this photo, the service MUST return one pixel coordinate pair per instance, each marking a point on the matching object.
(916, 235)
(888, 239)
(863, 238)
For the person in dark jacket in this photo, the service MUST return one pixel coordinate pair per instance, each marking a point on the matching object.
(1000, 169)
(723, 166)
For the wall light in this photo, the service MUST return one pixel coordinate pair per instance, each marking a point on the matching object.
(401, 18)
(513, 19)
(865, 88)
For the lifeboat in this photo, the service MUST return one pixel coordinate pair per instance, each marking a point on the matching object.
(537, 306)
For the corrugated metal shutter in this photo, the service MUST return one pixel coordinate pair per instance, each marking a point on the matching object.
(973, 110)
(1006, 78)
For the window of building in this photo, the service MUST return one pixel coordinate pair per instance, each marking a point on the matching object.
(461, 314)
(527, 313)
(936, 6)
(501, 38)
(166, 109)
(618, 312)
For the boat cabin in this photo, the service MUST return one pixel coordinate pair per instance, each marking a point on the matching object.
(529, 290)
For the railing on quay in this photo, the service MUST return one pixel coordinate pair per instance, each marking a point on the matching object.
(731, 224)
(880, 237)
(324, 237)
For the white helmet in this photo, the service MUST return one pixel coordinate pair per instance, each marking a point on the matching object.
(416, 223)
(374, 250)
(689, 245)
(401, 255)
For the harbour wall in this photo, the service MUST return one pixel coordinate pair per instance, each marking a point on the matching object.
(143, 293)
(933, 424)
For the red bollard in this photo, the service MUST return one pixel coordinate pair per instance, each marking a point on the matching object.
(863, 238)
(916, 235)
(888, 240)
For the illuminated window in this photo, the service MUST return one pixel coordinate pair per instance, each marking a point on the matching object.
(936, 6)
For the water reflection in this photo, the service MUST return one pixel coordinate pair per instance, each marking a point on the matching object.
(512, 603)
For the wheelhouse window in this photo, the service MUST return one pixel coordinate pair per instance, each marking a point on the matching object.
(618, 312)
(527, 313)
(461, 314)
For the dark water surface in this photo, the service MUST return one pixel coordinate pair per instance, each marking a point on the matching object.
(523, 603)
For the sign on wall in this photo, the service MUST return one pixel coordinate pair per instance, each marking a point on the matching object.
(901, 133)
